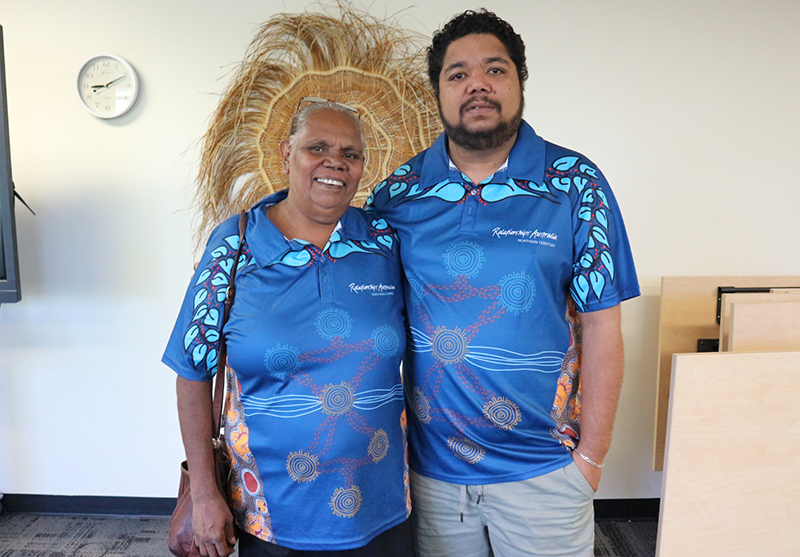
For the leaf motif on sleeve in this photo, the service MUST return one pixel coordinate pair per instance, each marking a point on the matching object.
(200, 297)
(586, 169)
(203, 276)
(602, 218)
(562, 184)
(190, 335)
(581, 288)
(198, 353)
(608, 261)
(600, 235)
(211, 359)
(565, 163)
(598, 283)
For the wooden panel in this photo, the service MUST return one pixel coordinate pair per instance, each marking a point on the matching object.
(688, 313)
(775, 295)
(731, 484)
(765, 327)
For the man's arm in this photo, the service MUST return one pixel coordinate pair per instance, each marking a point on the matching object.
(211, 518)
(601, 383)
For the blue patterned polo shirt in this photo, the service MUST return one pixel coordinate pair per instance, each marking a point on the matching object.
(316, 428)
(495, 273)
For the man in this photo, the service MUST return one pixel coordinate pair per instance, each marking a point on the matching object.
(516, 260)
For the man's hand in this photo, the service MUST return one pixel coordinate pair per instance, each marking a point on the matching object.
(591, 473)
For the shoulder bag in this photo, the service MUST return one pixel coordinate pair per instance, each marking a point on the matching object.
(181, 532)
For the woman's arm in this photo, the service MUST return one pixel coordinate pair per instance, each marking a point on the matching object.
(211, 517)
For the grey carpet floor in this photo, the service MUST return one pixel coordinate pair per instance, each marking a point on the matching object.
(34, 535)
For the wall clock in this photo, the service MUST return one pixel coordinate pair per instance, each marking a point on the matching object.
(107, 86)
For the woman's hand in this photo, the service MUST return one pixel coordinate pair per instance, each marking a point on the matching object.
(213, 525)
(211, 518)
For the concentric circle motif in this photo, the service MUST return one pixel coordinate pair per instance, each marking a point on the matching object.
(302, 466)
(421, 406)
(502, 412)
(464, 259)
(250, 481)
(517, 292)
(386, 340)
(337, 399)
(346, 501)
(334, 322)
(378, 446)
(449, 345)
(416, 288)
(465, 449)
(282, 361)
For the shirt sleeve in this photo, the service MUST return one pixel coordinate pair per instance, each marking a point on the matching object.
(193, 346)
(603, 270)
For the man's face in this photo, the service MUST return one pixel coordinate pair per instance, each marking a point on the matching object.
(480, 96)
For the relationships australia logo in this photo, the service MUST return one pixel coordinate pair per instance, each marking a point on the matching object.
(374, 289)
(527, 236)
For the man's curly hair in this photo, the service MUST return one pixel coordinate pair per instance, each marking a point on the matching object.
(475, 22)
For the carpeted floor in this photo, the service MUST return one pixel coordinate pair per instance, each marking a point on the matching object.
(625, 539)
(34, 535)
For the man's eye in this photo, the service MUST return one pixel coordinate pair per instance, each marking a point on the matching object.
(456, 76)
(495, 70)
(354, 156)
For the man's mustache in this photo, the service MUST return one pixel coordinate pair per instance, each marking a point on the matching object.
(485, 100)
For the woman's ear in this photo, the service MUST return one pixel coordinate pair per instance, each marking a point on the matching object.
(285, 150)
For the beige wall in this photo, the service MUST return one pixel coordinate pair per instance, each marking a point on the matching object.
(690, 108)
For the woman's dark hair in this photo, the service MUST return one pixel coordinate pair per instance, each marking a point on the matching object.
(471, 23)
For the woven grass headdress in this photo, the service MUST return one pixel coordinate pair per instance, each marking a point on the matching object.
(371, 65)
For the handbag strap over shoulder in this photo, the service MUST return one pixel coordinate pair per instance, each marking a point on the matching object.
(217, 408)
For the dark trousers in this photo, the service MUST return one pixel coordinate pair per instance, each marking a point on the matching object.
(394, 542)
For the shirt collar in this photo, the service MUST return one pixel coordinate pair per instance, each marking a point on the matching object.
(268, 244)
(525, 162)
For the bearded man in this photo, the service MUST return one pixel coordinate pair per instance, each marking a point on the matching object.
(516, 260)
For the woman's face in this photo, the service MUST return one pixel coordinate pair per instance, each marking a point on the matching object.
(324, 165)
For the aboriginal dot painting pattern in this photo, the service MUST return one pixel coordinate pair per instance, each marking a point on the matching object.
(513, 294)
(569, 175)
(340, 404)
(566, 412)
(249, 503)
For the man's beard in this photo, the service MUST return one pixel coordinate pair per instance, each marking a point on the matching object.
(482, 140)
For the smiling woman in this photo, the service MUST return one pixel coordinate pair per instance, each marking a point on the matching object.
(324, 161)
(316, 426)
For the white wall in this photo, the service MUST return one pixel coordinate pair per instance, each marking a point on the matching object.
(690, 107)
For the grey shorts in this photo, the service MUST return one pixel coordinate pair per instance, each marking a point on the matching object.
(548, 515)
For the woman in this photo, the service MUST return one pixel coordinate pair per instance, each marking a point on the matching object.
(315, 337)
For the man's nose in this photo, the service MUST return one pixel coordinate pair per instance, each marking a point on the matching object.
(478, 83)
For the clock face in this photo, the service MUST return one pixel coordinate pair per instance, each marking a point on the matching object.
(108, 86)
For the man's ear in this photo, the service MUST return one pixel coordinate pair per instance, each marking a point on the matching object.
(285, 150)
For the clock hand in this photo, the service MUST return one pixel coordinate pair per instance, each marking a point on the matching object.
(114, 82)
